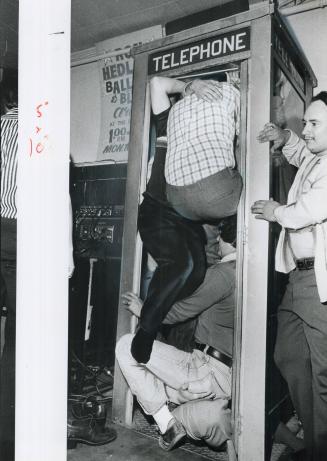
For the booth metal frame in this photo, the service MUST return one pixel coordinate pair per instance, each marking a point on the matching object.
(252, 291)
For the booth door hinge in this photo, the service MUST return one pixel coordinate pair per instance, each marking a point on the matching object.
(243, 236)
(238, 427)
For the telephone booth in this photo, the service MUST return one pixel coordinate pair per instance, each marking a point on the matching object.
(276, 83)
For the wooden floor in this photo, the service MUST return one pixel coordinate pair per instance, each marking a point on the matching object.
(129, 446)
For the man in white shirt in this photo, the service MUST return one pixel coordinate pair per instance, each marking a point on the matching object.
(301, 346)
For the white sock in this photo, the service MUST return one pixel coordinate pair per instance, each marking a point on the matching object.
(162, 418)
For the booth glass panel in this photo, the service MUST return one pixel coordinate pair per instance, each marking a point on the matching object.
(287, 109)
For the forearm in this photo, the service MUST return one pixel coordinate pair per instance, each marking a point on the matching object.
(161, 88)
(295, 149)
(217, 284)
(309, 209)
(297, 216)
(167, 84)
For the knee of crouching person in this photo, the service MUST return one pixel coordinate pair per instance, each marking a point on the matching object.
(214, 423)
(123, 345)
(208, 420)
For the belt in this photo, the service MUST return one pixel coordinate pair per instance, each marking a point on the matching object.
(215, 354)
(305, 264)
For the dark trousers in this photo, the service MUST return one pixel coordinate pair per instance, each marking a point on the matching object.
(7, 364)
(177, 245)
(301, 355)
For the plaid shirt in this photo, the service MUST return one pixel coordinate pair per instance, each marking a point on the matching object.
(200, 136)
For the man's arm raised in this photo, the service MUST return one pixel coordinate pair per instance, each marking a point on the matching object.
(162, 87)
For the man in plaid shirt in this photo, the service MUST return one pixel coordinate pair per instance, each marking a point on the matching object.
(202, 182)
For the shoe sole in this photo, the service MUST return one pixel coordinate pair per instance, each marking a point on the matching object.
(71, 443)
(173, 443)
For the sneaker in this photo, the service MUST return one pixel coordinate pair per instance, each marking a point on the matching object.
(175, 432)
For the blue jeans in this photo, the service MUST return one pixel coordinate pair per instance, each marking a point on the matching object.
(209, 199)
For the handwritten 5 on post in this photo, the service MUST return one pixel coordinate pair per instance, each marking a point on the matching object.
(38, 143)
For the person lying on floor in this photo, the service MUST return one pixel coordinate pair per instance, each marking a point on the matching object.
(198, 381)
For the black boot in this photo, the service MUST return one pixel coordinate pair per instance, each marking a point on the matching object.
(86, 421)
(85, 431)
(82, 407)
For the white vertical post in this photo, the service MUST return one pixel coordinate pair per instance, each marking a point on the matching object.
(251, 424)
(43, 230)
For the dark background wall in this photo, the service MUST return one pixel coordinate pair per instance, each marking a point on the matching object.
(98, 194)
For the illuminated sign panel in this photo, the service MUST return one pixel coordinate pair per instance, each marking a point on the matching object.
(210, 48)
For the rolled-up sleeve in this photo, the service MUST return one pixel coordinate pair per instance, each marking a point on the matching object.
(295, 150)
(218, 283)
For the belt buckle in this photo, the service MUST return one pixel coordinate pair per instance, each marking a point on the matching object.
(305, 264)
(300, 265)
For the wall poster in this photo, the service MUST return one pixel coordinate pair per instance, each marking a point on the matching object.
(116, 78)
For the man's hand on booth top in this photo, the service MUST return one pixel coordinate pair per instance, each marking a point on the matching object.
(264, 209)
(133, 303)
(208, 90)
(273, 133)
(204, 388)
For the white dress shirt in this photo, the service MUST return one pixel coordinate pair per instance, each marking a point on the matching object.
(306, 210)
